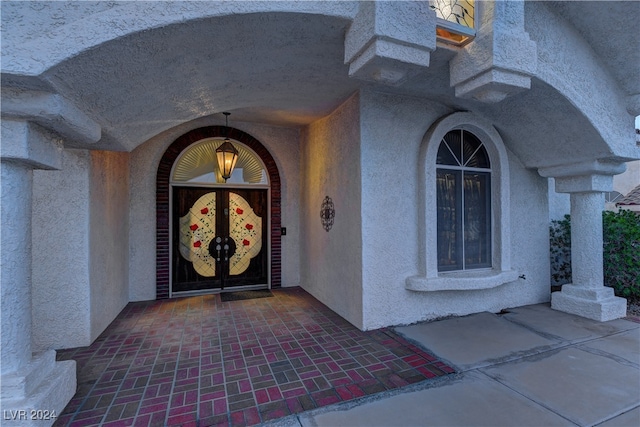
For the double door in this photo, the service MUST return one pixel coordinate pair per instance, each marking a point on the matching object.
(219, 238)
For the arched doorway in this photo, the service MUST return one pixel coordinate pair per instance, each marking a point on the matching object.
(173, 185)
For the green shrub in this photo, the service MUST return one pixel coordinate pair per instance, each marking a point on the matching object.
(621, 235)
(621, 252)
(560, 235)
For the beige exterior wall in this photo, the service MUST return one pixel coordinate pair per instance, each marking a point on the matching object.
(331, 261)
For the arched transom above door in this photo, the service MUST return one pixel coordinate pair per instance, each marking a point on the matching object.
(198, 165)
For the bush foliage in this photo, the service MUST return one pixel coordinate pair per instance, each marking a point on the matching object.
(560, 235)
(621, 236)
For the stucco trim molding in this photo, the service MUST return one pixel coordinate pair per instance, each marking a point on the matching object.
(163, 201)
(429, 278)
(462, 281)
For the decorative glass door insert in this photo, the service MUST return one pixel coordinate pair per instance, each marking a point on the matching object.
(218, 238)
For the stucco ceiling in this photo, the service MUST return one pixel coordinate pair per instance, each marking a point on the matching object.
(288, 69)
(273, 68)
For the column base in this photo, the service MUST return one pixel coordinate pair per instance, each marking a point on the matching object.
(36, 394)
(597, 304)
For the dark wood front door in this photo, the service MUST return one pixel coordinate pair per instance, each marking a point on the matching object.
(219, 238)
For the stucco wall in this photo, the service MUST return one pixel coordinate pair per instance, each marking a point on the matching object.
(282, 143)
(390, 223)
(529, 237)
(80, 248)
(392, 130)
(332, 261)
(109, 237)
(60, 236)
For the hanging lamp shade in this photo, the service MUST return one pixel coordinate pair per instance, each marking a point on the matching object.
(227, 154)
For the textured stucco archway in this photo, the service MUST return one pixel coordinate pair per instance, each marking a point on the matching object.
(163, 203)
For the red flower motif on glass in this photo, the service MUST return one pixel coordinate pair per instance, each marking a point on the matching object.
(197, 244)
(246, 242)
(204, 211)
(239, 211)
(249, 226)
(193, 227)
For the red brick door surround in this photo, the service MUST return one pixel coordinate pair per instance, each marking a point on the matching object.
(163, 200)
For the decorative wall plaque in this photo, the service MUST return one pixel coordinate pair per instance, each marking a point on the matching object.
(327, 213)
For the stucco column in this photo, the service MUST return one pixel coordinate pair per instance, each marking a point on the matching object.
(16, 266)
(587, 296)
(29, 381)
(586, 239)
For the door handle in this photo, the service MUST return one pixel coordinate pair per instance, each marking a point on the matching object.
(218, 247)
(226, 249)
(222, 247)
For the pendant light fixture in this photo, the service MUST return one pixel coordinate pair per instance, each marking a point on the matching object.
(226, 153)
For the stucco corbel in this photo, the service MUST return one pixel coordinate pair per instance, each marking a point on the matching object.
(30, 144)
(501, 60)
(52, 112)
(389, 42)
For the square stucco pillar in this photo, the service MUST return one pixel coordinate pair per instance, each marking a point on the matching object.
(28, 381)
(587, 296)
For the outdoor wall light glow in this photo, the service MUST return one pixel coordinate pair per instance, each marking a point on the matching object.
(227, 154)
(456, 21)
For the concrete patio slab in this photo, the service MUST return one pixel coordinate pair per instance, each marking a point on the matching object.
(625, 345)
(628, 419)
(464, 402)
(564, 326)
(479, 340)
(584, 387)
(531, 367)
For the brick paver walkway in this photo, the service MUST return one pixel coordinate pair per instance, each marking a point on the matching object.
(201, 362)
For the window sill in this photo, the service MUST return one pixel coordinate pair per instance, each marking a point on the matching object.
(461, 281)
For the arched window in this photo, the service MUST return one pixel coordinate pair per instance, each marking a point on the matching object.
(465, 212)
(463, 183)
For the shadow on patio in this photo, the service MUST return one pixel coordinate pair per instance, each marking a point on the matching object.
(199, 361)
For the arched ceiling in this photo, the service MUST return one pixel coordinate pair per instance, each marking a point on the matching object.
(277, 68)
(287, 69)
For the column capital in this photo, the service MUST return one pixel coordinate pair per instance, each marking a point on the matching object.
(585, 177)
(52, 112)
